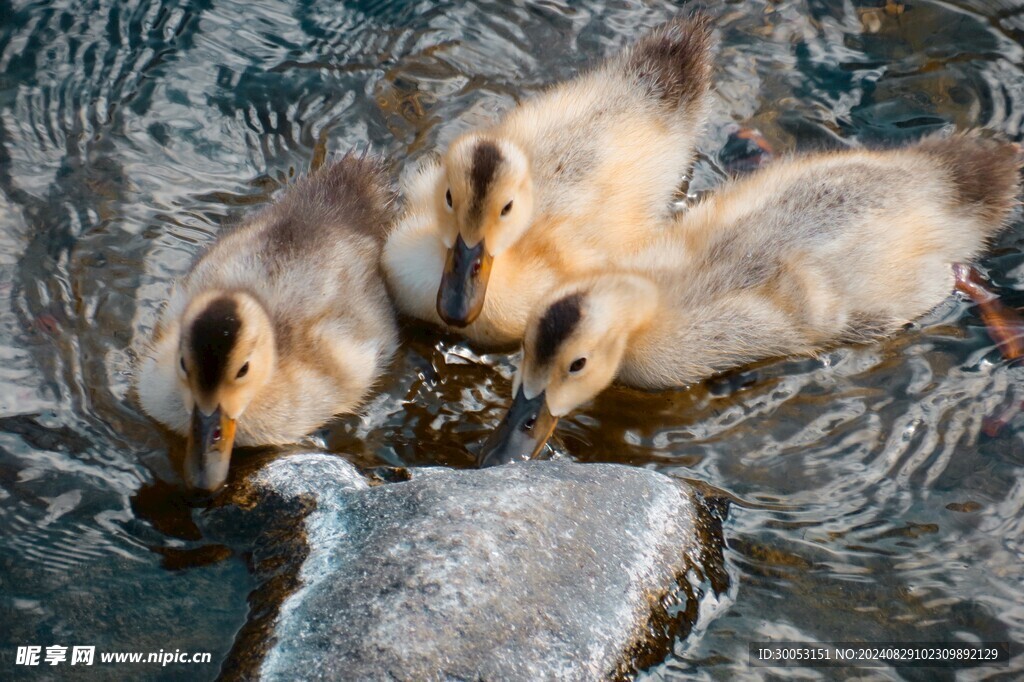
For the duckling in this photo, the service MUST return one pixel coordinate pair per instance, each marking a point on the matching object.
(284, 322)
(564, 183)
(807, 253)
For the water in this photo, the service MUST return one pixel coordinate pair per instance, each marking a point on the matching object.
(876, 489)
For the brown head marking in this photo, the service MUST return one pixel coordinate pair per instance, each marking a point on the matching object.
(212, 337)
(557, 324)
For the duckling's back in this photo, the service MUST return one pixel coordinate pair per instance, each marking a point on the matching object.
(321, 237)
(610, 147)
(862, 238)
(815, 250)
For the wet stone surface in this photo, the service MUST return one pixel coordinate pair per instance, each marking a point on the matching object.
(533, 571)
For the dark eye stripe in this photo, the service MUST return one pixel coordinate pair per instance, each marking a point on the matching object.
(557, 324)
(212, 338)
(483, 169)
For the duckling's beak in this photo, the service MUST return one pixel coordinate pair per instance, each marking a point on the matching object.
(460, 297)
(209, 449)
(521, 434)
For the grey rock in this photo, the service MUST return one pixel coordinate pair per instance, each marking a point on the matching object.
(539, 570)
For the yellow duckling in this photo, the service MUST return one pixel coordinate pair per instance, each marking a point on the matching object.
(567, 182)
(281, 324)
(807, 253)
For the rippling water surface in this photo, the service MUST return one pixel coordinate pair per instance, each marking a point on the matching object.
(877, 490)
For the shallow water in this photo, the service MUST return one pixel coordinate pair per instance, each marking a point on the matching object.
(876, 489)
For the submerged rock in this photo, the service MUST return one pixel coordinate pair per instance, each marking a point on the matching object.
(538, 570)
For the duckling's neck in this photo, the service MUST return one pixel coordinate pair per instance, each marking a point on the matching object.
(630, 301)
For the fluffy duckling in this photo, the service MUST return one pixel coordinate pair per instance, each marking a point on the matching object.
(564, 183)
(281, 324)
(805, 254)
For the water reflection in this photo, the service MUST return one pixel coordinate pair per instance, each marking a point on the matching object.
(872, 500)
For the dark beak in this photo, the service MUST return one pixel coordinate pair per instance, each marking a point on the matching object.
(460, 297)
(521, 434)
(209, 449)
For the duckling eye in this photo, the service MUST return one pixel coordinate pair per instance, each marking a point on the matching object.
(243, 371)
(183, 368)
(448, 197)
(577, 365)
(508, 207)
